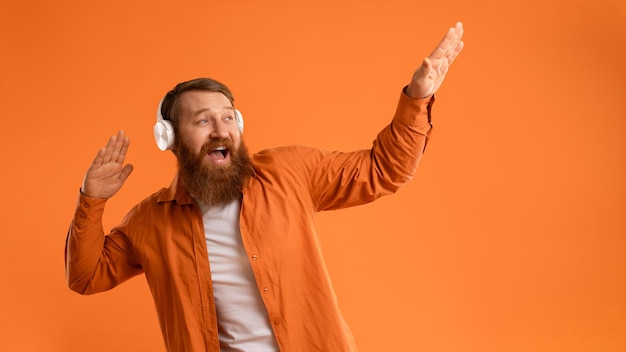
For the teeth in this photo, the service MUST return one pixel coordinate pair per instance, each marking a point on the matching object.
(221, 149)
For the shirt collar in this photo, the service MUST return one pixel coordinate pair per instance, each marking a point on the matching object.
(175, 192)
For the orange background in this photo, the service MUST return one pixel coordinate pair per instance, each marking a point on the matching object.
(511, 237)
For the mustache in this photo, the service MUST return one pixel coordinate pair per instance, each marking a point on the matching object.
(213, 143)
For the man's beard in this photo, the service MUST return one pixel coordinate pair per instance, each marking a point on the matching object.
(212, 184)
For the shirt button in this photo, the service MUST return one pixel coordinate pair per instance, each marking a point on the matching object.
(254, 257)
(276, 321)
(266, 290)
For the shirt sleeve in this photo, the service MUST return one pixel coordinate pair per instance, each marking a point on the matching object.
(95, 262)
(340, 180)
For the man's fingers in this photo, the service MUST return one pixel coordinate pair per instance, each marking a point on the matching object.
(109, 149)
(126, 171)
(98, 160)
(115, 150)
(457, 34)
(119, 148)
(124, 148)
(455, 53)
(424, 70)
(449, 42)
(427, 65)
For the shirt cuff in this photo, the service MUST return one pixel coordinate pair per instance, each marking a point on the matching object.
(415, 113)
(88, 209)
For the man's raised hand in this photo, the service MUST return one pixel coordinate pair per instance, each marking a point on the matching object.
(428, 77)
(107, 172)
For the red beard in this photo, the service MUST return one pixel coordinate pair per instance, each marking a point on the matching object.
(212, 184)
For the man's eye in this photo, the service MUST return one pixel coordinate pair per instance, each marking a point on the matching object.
(202, 121)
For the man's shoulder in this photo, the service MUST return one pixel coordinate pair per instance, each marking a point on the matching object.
(295, 160)
(150, 200)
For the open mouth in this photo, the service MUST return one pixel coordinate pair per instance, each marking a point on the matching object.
(219, 153)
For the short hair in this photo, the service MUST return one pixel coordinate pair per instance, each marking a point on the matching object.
(170, 108)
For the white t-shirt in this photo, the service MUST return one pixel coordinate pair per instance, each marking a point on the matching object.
(243, 324)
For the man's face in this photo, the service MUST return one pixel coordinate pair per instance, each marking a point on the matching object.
(213, 162)
(207, 119)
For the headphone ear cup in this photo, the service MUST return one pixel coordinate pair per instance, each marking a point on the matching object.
(163, 131)
(239, 119)
(164, 134)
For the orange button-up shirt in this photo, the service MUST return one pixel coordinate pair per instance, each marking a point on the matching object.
(163, 238)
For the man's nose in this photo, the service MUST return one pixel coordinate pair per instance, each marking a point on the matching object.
(219, 130)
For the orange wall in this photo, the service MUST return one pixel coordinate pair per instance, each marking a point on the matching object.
(512, 236)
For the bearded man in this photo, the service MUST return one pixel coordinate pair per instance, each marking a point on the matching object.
(229, 249)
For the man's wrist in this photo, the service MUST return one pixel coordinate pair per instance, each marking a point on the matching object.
(409, 93)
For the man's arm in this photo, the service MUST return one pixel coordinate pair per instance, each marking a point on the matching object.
(95, 262)
(339, 180)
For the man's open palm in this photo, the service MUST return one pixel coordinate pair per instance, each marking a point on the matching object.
(107, 172)
(428, 77)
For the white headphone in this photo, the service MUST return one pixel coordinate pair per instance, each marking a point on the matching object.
(164, 131)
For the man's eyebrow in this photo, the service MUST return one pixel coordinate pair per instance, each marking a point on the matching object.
(200, 111)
